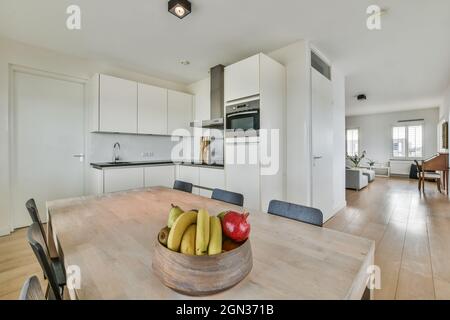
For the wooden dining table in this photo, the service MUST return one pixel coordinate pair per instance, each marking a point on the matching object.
(111, 239)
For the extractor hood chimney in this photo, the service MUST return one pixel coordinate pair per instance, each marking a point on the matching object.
(217, 100)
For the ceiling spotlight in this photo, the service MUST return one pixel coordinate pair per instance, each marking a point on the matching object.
(180, 8)
(361, 97)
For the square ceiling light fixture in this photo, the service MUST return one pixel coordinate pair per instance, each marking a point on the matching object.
(180, 8)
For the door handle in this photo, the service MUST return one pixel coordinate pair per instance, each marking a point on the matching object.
(80, 156)
(317, 157)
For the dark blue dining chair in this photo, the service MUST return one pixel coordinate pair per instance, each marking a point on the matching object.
(296, 212)
(183, 186)
(228, 196)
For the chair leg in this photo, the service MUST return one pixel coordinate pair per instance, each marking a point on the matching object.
(438, 182)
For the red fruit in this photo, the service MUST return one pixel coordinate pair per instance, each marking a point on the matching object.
(235, 226)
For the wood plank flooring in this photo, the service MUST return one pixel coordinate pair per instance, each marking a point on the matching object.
(412, 234)
(17, 263)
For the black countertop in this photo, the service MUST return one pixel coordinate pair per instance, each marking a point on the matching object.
(103, 165)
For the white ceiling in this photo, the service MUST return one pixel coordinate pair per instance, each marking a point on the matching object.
(406, 65)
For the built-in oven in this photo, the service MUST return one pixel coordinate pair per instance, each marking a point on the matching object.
(242, 117)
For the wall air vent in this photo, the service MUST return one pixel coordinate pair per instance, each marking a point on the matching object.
(411, 120)
(321, 66)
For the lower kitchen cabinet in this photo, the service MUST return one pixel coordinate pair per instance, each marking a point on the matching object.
(120, 179)
(159, 176)
(205, 193)
(202, 178)
(244, 177)
(212, 178)
(188, 174)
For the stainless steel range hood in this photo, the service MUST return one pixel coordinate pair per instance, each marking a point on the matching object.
(217, 100)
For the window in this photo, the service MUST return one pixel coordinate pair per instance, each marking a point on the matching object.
(399, 142)
(352, 138)
(407, 141)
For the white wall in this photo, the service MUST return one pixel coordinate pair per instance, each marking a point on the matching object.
(444, 110)
(12, 52)
(338, 80)
(296, 59)
(376, 131)
(202, 98)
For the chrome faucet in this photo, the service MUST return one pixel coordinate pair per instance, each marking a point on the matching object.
(116, 149)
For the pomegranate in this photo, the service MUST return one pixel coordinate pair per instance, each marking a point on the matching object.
(235, 226)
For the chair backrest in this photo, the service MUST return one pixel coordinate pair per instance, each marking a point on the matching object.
(296, 212)
(228, 196)
(37, 243)
(32, 290)
(34, 214)
(183, 186)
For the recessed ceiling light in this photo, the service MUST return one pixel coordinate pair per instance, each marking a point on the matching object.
(180, 8)
(185, 62)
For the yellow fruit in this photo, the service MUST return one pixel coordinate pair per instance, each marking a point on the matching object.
(215, 240)
(178, 228)
(174, 213)
(188, 240)
(202, 236)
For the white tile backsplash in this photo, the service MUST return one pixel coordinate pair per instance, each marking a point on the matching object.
(133, 147)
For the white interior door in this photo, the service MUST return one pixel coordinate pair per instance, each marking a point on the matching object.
(322, 143)
(48, 141)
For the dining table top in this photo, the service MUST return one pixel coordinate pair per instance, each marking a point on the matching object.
(111, 239)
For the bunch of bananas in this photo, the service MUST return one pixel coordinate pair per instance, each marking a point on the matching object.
(192, 232)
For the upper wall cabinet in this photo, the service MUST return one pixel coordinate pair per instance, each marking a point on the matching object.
(124, 106)
(242, 79)
(152, 110)
(180, 111)
(115, 107)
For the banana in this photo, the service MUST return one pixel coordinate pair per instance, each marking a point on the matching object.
(202, 236)
(188, 240)
(215, 240)
(178, 228)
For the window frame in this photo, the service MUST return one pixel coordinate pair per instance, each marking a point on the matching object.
(407, 125)
(359, 140)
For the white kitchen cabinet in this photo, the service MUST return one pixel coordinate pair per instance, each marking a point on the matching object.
(243, 174)
(152, 110)
(159, 176)
(117, 105)
(242, 79)
(95, 186)
(212, 178)
(180, 112)
(205, 193)
(120, 179)
(188, 174)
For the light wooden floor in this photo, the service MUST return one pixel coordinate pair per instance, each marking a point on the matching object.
(412, 234)
(17, 263)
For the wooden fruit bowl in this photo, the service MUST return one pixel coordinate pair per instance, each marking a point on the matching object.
(202, 275)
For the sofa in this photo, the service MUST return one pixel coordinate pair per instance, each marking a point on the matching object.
(369, 173)
(355, 179)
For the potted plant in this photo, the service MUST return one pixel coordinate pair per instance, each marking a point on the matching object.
(371, 163)
(356, 159)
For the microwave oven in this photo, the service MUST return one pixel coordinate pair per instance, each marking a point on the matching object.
(242, 117)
